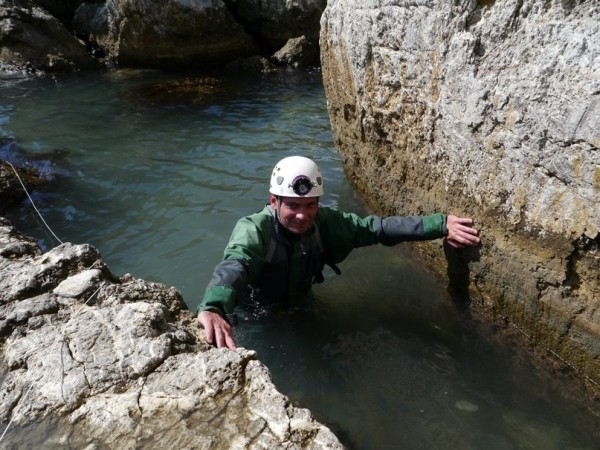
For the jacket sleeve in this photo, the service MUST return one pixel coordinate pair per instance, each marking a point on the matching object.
(396, 229)
(242, 262)
(344, 232)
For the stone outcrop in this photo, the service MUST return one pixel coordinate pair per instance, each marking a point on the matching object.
(164, 33)
(38, 36)
(297, 52)
(94, 360)
(488, 109)
(33, 41)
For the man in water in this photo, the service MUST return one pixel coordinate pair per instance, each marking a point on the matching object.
(274, 256)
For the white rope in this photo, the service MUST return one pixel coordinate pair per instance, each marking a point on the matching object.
(13, 415)
(32, 203)
(556, 355)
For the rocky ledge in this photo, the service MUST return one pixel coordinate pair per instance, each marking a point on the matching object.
(90, 358)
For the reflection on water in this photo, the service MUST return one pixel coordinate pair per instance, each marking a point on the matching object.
(156, 184)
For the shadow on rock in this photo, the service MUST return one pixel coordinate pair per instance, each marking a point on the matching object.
(459, 273)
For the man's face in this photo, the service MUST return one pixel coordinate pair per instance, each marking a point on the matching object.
(296, 214)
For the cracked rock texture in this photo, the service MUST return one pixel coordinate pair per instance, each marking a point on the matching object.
(489, 109)
(90, 360)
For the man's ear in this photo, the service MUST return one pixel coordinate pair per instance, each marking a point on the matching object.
(273, 201)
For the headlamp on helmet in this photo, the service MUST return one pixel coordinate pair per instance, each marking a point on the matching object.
(296, 176)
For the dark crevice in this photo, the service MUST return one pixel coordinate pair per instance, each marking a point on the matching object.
(252, 29)
(581, 245)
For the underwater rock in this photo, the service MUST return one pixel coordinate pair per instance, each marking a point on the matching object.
(466, 406)
(174, 92)
(11, 189)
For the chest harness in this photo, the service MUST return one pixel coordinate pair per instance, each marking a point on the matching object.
(292, 264)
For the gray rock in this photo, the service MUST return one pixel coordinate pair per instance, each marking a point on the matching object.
(165, 33)
(78, 284)
(92, 359)
(298, 52)
(33, 41)
(492, 110)
(169, 34)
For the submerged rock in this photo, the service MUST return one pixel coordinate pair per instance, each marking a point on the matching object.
(94, 359)
(466, 406)
(178, 91)
(13, 179)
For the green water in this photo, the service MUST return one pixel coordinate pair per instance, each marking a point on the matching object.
(156, 184)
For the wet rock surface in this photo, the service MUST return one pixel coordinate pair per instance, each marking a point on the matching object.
(90, 358)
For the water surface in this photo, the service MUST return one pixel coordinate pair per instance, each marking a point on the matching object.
(157, 182)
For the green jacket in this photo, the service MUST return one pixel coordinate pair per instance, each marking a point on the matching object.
(282, 266)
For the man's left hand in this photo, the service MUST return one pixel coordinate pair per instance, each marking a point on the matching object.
(461, 232)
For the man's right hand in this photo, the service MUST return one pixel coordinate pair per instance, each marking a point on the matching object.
(218, 331)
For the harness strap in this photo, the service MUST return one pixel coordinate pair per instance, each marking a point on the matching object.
(316, 236)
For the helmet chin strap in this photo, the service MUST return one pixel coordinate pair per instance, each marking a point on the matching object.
(277, 213)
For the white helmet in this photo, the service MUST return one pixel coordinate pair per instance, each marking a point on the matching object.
(296, 176)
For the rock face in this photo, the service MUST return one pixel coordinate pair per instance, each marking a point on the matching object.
(178, 33)
(39, 35)
(489, 109)
(33, 40)
(90, 359)
(198, 33)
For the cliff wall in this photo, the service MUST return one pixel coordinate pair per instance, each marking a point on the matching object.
(489, 109)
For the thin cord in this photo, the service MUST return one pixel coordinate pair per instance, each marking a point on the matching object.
(13, 415)
(76, 312)
(556, 355)
(32, 203)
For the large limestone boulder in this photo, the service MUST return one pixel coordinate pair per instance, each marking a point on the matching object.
(489, 109)
(33, 41)
(90, 360)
